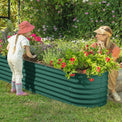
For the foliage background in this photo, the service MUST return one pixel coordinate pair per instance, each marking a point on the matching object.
(66, 18)
(71, 18)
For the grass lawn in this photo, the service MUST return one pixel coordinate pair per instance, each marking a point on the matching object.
(37, 108)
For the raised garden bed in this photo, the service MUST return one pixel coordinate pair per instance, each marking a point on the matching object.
(52, 83)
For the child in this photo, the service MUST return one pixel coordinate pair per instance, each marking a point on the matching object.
(103, 36)
(16, 46)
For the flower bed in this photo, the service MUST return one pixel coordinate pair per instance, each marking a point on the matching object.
(73, 72)
(50, 82)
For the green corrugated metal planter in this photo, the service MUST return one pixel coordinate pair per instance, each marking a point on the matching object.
(52, 83)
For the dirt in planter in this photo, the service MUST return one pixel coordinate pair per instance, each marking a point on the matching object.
(35, 60)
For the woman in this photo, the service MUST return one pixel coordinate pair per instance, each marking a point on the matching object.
(103, 35)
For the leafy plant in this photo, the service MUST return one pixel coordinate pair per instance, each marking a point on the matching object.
(88, 60)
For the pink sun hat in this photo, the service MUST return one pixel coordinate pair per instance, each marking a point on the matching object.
(25, 27)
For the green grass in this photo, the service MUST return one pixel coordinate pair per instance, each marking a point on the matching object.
(37, 108)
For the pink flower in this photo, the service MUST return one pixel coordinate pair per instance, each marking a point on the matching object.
(112, 22)
(28, 38)
(112, 11)
(104, 2)
(108, 4)
(113, 15)
(91, 20)
(33, 35)
(75, 19)
(8, 36)
(37, 0)
(38, 38)
(103, 9)
(0, 45)
(101, 20)
(58, 12)
(86, 12)
(96, 20)
(0, 40)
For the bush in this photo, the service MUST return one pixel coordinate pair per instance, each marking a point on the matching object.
(71, 19)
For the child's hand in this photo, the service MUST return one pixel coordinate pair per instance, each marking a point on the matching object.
(34, 56)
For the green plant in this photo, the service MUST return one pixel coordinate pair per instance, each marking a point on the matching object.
(87, 60)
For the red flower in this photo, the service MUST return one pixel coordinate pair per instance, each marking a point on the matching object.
(51, 62)
(72, 75)
(84, 71)
(100, 52)
(98, 69)
(91, 79)
(91, 52)
(63, 65)
(58, 62)
(60, 59)
(72, 59)
(107, 59)
(86, 45)
(86, 54)
(72, 63)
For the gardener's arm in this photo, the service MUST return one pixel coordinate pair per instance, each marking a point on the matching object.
(8, 46)
(27, 49)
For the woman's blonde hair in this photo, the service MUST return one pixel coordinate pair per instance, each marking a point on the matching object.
(108, 30)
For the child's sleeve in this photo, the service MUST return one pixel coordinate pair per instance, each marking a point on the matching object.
(116, 52)
(25, 42)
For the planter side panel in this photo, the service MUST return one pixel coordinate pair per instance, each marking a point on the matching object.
(78, 90)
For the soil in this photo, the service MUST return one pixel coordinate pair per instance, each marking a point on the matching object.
(35, 60)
